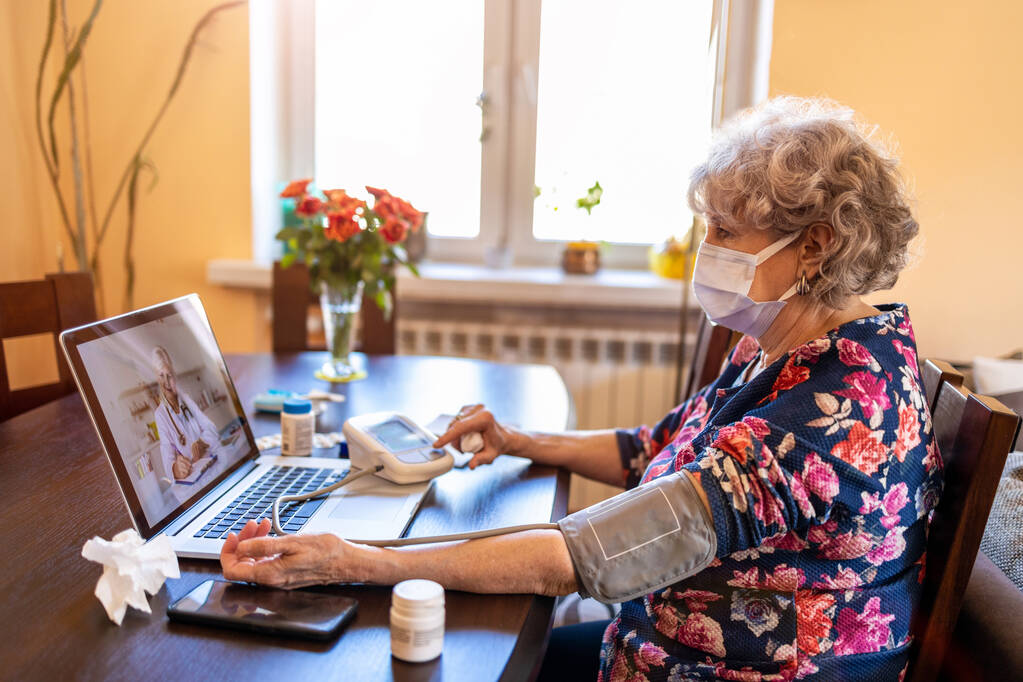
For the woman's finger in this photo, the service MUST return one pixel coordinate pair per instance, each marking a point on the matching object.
(230, 544)
(265, 525)
(484, 456)
(455, 428)
(467, 411)
(259, 547)
(259, 528)
(477, 422)
(238, 570)
(248, 531)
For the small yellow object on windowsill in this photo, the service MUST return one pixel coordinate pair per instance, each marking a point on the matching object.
(669, 259)
(581, 258)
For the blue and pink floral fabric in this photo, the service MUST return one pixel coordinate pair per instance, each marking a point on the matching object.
(820, 472)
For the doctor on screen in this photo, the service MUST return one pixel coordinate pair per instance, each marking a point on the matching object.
(187, 436)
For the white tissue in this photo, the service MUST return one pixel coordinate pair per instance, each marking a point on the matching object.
(131, 567)
(471, 442)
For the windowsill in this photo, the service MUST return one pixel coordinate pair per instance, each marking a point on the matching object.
(475, 283)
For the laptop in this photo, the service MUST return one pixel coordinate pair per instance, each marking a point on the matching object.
(177, 438)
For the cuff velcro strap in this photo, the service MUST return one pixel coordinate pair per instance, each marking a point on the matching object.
(641, 540)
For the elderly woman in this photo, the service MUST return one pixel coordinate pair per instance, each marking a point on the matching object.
(774, 525)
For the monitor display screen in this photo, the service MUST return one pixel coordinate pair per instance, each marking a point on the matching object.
(396, 436)
(158, 388)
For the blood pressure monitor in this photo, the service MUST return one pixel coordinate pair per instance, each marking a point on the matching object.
(401, 446)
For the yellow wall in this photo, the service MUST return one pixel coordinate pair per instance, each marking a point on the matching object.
(944, 78)
(199, 208)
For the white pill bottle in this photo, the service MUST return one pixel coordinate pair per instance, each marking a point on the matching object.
(417, 620)
(298, 424)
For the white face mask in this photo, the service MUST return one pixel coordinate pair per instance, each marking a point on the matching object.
(722, 279)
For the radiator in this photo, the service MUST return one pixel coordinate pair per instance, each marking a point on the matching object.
(616, 377)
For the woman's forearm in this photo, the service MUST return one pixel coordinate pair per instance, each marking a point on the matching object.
(529, 562)
(593, 454)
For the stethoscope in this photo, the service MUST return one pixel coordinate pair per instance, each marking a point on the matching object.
(186, 413)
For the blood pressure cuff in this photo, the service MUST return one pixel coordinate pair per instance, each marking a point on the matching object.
(641, 540)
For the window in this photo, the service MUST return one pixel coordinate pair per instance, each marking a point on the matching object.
(627, 106)
(396, 83)
(497, 116)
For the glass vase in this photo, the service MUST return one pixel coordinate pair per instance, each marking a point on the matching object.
(340, 306)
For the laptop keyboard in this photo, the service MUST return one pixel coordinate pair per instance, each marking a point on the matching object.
(257, 502)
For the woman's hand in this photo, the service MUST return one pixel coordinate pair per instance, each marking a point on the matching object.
(497, 439)
(289, 561)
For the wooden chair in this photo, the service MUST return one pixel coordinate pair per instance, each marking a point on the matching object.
(973, 434)
(934, 373)
(1014, 401)
(51, 305)
(713, 343)
(291, 300)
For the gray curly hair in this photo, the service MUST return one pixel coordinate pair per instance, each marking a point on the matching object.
(792, 162)
(159, 356)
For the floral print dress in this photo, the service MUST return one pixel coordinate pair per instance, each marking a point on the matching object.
(820, 472)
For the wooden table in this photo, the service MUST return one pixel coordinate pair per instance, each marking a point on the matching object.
(57, 491)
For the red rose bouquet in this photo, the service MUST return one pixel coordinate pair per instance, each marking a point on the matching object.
(344, 240)
(350, 247)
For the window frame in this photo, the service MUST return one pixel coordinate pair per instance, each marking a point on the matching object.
(282, 125)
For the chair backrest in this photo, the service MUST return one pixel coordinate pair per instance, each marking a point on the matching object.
(291, 300)
(934, 373)
(973, 433)
(1014, 401)
(51, 305)
(713, 343)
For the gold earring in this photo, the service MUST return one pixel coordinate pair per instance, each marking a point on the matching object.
(802, 286)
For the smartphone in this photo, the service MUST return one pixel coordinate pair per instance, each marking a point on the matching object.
(296, 613)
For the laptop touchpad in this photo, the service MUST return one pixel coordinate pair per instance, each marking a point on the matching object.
(369, 507)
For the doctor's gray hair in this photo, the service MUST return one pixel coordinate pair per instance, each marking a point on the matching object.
(792, 162)
(160, 356)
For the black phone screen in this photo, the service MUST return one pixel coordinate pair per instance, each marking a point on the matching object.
(318, 615)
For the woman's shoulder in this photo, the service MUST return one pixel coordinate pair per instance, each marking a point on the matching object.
(879, 350)
(854, 393)
(868, 354)
(882, 346)
(870, 361)
(878, 331)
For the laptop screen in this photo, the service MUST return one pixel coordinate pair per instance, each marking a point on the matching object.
(164, 406)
